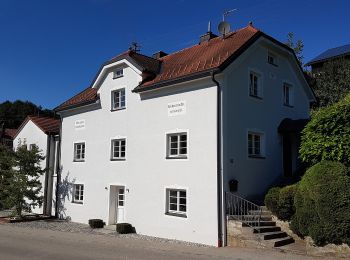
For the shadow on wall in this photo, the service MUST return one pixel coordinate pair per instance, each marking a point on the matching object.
(65, 191)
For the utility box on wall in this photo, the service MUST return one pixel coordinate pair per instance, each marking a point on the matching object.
(233, 184)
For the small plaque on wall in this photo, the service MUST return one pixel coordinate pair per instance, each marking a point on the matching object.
(177, 108)
(79, 124)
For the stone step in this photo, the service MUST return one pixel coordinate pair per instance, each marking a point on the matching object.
(266, 229)
(262, 223)
(273, 235)
(281, 241)
(251, 217)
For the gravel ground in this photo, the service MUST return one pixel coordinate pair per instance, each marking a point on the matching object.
(73, 227)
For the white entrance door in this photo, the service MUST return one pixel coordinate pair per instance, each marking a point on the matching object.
(120, 207)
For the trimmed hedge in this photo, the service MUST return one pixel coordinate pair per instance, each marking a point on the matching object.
(96, 223)
(322, 204)
(280, 201)
(271, 199)
(124, 228)
(286, 207)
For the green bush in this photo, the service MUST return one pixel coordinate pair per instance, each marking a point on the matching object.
(272, 198)
(286, 209)
(327, 135)
(322, 204)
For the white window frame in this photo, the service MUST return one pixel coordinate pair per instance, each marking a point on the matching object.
(289, 102)
(78, 193)
(118, 105)
(259, 88)
(179, 142)
(274, 57)
(118, 73)
(178, 203)
(120, 157)
(253, 154)
(82, 156)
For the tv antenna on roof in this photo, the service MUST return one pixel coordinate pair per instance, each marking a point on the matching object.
(135, 47)
(224, 27)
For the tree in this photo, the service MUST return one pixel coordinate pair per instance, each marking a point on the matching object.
(297, 46)
(24, 189)
(333, 82)
(13, 113)
(7, 163)
(327, 135)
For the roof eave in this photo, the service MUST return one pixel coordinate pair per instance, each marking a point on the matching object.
(69, 107)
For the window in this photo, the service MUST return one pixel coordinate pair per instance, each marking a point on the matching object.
(176, 202)
(271, 59)
(255, 144)
(31, 146)
(254, 85)
(287, 91)
(118, 73)
(177, 145)
(78, 193)
(118, 149)
(118, 99)
(79, 152)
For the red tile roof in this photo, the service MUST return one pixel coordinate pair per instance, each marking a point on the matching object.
(47, 124)
(9, 133)
(207, 56)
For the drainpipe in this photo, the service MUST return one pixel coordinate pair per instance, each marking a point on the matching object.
(221, 238)
(47, 173)
(58, 170)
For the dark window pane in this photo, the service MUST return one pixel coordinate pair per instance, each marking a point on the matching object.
(173, 193)
(173, 207)
(183, 151)
(173, 138)
(183, 137)
(173, 151)
(183, 194)
(183, 201)
(182, 208)
(173, 200)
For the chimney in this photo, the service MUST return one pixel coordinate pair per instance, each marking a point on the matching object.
(208, 36)
(159, 55)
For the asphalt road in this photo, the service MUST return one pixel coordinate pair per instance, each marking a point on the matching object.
(25, 243)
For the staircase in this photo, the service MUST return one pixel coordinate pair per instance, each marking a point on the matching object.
(250, 222)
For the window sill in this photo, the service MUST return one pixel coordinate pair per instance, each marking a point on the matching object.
(273, 64)
(118, 109)
(78, 160)
(118, 77)
(176, 214)
(256, 97)
(76, 202)
(118, 159)
(256, 157)
(176, 157)
(286, 105)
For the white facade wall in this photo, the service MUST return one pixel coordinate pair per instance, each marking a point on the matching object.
(32, 134)
(244, 113)
(146, 173)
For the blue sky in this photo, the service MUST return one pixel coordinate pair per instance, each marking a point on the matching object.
(50, 50)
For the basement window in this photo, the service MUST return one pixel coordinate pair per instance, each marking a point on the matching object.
(176, 202)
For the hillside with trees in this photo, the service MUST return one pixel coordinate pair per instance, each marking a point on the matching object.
(12, 114)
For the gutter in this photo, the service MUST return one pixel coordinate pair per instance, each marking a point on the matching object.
(221, 238)
(47, 173)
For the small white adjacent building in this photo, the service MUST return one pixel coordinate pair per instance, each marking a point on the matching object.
(44, 133)
(156, 141)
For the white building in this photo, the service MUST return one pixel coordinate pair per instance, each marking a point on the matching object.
(155, 141)
(42, 132)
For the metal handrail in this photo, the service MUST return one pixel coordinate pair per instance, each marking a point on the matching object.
(243, 210)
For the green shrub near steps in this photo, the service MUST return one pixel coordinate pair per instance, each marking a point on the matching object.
(322, 204)
(272, 198)
(286, 209)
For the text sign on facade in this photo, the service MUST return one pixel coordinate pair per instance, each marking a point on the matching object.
(177, 108)
(79, 124)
